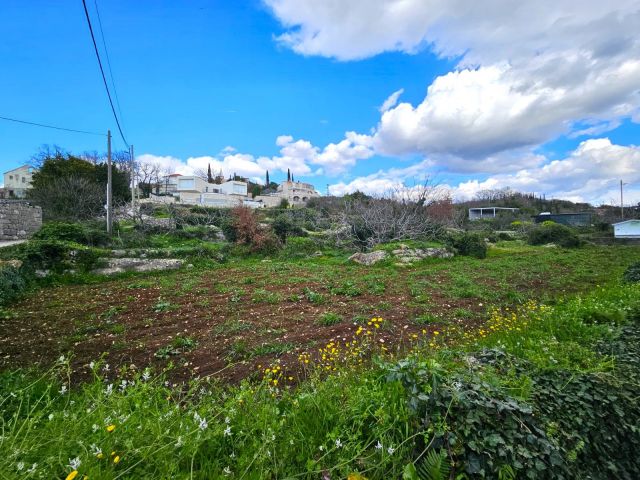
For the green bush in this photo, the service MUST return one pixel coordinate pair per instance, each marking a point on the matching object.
(470, 244)
(300, 246)
(44, 255)
(90, 233)
(550, 232)
(284, 227)
(12, 284)
(87, 259)
(632, 273)
(63, 231)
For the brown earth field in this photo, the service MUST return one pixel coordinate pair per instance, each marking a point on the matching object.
(224, 321)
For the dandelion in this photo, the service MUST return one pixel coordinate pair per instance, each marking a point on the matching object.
(111, 428)
(74, 463)
(338, 443)
(116, 459)
(72, 475)
(227, 432)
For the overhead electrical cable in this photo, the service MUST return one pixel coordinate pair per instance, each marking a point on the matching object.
(106, 52)
(104, 78)
(51, 126)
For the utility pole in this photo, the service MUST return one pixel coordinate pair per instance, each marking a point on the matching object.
(133, 184)
(109, 186)
(621, 202)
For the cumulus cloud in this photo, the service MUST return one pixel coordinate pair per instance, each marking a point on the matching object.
(526, 72)
(301, 157)
(589, 174)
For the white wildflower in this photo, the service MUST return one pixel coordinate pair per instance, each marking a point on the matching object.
(179, 442)
(203, 424)
(50, 416)
(227, 420)
(91, 365)
(61, 359)
(227, 432)
(95, 428)
(338, 443)
(227, 471)
(74, 463)
(20, 466)
(33, 468)
(146, 375)
(379, 445)
(390, 450)
(63, 390)
(109, 390)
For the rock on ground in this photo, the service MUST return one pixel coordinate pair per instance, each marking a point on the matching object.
(119, 265)
(368, 258)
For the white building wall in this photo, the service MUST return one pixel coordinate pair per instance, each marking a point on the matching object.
(628, 229)
(18, 180)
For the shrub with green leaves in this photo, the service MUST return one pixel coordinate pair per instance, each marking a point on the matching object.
(551, 232)
(12, 284)
(470, 244)
(632, 273)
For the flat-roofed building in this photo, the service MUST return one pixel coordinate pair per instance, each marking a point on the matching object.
(18, 181)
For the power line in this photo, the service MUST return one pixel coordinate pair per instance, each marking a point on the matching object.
(104, 78)
(51, 126)
(106, 51)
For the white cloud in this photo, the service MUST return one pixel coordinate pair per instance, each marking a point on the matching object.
(391, 101)
(298, 156)
(527, 72)
(589, 174)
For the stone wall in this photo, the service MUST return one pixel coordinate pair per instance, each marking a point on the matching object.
(18, 219)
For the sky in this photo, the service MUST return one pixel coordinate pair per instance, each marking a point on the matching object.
(542, 97)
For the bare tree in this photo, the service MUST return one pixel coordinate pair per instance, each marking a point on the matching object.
(399, 214)
(70, 198)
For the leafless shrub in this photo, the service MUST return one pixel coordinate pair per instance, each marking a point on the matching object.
(400, 214)
(70, 198)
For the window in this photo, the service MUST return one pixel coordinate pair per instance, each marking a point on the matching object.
(10, 177)
(24, 180)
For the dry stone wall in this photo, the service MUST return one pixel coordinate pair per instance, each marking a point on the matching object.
(18, 219)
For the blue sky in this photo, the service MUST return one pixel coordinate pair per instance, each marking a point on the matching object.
(195, 77)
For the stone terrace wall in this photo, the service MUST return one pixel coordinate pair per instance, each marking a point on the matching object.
(18, 219)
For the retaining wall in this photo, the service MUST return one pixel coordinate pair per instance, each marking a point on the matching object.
(18, 219)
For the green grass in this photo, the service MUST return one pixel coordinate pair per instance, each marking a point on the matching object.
(330, 425)
(328, 319)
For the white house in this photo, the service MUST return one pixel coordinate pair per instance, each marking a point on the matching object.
(18, 181)
(297, 193)
(627, 229)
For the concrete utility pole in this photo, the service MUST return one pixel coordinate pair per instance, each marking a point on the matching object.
(109, 186)
(621, 202)
(133, 185)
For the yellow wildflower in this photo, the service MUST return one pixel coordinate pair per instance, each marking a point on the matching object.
(116, 459)
(72, 475)
(111, 428)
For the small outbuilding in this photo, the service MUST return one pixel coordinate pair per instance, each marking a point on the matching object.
(627, 229)
(570, 219)
(478, 213)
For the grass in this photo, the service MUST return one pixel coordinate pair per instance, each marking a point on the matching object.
(328, 319)
(328, 424)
